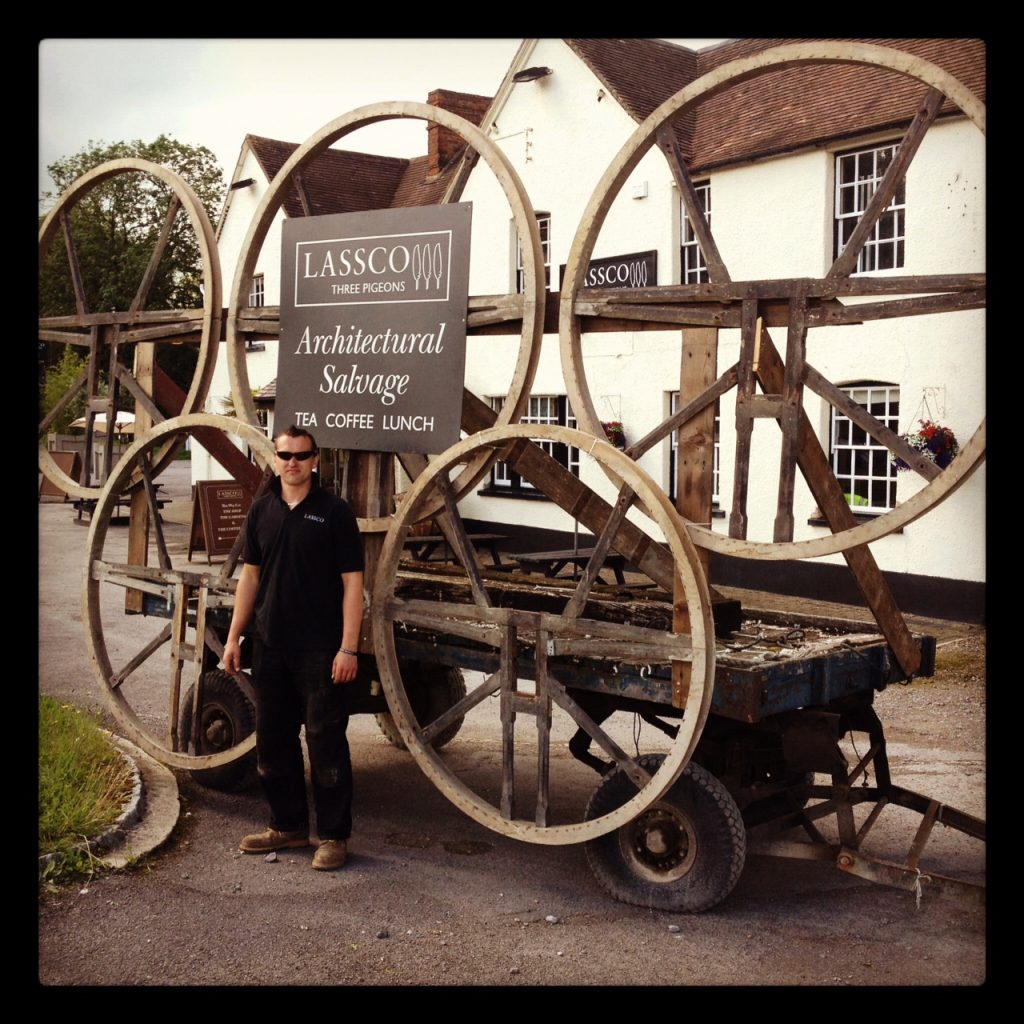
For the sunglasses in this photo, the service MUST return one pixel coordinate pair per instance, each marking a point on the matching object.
(298, 456)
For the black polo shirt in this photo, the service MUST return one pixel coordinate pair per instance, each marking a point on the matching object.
(301, 554)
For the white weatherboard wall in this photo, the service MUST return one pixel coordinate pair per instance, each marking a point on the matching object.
(770, 219)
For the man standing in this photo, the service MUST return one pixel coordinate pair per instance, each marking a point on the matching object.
(302, 582)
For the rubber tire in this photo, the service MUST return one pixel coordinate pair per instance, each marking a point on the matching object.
(703, 810)
(223, 699)
(438, 688)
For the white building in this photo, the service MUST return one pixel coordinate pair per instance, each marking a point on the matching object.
(780, 163)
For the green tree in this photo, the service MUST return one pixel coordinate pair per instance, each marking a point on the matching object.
(115, 228)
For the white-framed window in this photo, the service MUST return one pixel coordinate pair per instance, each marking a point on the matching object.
(673, 406)
(257, 293)
(862, 466)
(858, 175)
(693, 266)
(551, 410)
(544, 226)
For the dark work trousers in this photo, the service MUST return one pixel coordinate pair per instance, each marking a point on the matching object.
(295, 688)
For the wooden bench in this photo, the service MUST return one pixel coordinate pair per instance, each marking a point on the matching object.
(424, 548)
(87, 506)
(551, 563)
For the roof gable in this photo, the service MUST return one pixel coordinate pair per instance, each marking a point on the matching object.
(779, 110)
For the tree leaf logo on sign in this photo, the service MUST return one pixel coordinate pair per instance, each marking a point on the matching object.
(373, 327)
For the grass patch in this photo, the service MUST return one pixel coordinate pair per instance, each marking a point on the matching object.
(83, 784)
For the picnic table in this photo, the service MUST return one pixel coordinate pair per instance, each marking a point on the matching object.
(424, 548)
(86, 506)
(551, 563)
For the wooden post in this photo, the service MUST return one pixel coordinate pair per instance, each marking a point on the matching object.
(138, 517)
(368, 485)
(695, 460)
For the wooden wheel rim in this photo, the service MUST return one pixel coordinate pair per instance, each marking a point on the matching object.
(122, 710)
(570, 338)
(526, 226)
(212, 311)
(698, 601)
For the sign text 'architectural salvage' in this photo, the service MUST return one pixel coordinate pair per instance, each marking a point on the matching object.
(373, 327)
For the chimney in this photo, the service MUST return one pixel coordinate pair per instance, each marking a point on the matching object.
(444, 145)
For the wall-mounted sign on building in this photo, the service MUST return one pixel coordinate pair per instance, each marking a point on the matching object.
(635, 270)
(373, 327)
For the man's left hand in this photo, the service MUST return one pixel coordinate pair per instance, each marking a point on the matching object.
(344, 668)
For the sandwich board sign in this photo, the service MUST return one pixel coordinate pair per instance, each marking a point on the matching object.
(373, 327)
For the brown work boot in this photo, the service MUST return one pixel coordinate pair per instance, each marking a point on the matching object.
(270, 839)
(330, 855)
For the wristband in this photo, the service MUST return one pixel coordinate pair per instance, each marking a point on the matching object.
(343, 650)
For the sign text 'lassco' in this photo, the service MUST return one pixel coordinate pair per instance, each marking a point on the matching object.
(373, 327)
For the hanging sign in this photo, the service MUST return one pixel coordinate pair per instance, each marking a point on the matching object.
(636, 270)
(373, 327)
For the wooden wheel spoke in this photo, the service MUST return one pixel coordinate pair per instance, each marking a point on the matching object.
(488, 687)
(140, 396)
(847, 259)
(629, 765)
(726, 382)
(717, 271)
(154, 512)
(142, 656)
(68, 397)
(139, 301)
(73, 265)
(601, 545)
(869, 424)
(460, 541)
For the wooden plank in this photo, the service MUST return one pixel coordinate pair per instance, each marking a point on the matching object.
(138, 515)
(835, 314)
(507, 673)
(179, 627)
(789, 418)
(825, 489)
(749, 341)
(543, 713)
(695, 453)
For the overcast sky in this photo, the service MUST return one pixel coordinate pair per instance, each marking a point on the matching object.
(212, 92)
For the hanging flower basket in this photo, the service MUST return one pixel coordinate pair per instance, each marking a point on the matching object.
(615, 434)
(935, 443)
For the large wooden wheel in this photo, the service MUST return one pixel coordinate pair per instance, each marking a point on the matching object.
(528, 307)
(518, 639)
(139, 663)
(104, 335)
(796, 304)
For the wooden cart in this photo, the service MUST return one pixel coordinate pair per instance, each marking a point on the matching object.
(749, 735)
